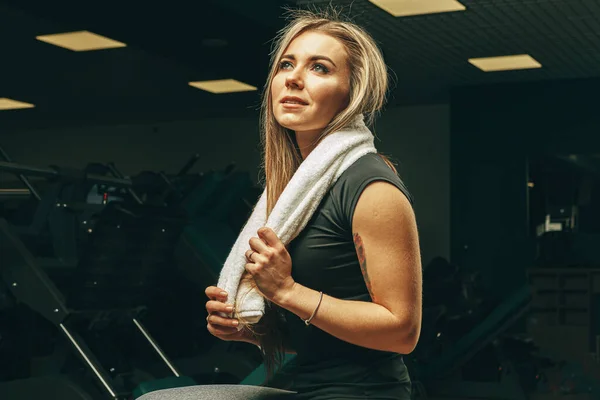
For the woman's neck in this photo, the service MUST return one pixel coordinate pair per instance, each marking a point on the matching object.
(307, 141)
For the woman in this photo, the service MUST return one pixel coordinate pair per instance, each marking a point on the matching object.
(361, 247)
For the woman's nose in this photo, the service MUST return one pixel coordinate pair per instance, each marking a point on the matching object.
(294, 79)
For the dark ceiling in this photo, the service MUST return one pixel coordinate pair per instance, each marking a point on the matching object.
(170, 44)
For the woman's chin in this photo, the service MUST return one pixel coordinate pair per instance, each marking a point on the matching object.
(291, 122)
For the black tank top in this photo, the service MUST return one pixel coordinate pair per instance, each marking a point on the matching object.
(324, 259)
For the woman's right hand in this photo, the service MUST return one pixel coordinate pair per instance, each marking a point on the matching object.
(224, 328)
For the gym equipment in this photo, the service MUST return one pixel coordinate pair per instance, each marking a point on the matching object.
(217, 206)
(112, 273)
(129, 248)
(219, 195)
(158, 188)
(30, 189)
(437, 375)
(60, 173)
(62, 209)
(85, 287)
(565, 317)
(563, 249)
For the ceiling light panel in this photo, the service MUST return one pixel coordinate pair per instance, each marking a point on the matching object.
(10, 104)
(223, 86)
(505, 63)
(80, 41)
(405, 8)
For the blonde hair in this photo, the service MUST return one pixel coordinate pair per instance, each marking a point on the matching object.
(281, 158)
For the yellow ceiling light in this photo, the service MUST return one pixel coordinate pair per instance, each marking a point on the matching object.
(223, 86)
(505, 63)
(10, 104)
(80, 41)
(405, 8)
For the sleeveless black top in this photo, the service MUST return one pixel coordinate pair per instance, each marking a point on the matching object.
(324, 258)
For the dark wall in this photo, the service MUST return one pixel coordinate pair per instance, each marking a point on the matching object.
(494, 130)
(418, 138)
(135, 147)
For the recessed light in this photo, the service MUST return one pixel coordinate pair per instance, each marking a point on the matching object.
(10, 104)
(505, 63)
(223, 86)
(80, 41)
(404, 8)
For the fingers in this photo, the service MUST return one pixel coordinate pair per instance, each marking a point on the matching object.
(269, 237)
(215, 293)
(213, 306)
(222, 327)
(258, 245)
(251, 256)
(222, 332)
(218, 321)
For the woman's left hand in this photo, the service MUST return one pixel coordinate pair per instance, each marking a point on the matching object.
(270, 264)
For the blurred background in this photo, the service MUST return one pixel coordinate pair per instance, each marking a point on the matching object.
(130, 160)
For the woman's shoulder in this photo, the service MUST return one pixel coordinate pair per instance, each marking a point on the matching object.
(367, 169)
(370, 163)
(350, 185)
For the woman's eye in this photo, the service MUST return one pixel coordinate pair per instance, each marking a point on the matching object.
(320, 68)
(284, 65)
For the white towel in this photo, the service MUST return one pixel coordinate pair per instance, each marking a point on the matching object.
(294, 208)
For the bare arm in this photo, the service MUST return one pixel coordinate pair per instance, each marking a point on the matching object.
(386, 240)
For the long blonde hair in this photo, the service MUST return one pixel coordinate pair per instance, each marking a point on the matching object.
(281, 158)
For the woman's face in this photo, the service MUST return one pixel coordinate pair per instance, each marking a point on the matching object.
(312, 83)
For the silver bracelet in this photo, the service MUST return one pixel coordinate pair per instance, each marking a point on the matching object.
(307, 322)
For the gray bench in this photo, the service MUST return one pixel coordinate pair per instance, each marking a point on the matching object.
(218, 392)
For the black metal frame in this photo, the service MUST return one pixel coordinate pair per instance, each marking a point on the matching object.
(30, 285)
